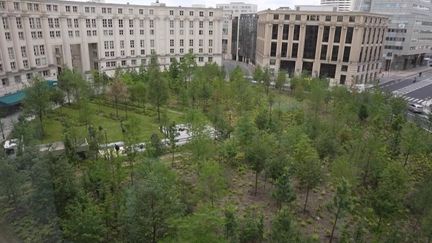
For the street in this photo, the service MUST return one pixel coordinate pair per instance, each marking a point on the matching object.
(419, 92)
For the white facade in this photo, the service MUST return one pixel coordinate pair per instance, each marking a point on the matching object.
(232, 10)
(40, 37)
(342, 5)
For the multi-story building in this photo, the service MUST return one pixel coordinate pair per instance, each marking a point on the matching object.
(342, 5)
(345, 47)
(409, 37)
(41, 37)
(231, 11)
(244, 44)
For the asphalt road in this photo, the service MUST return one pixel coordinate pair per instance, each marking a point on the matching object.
(423, 93)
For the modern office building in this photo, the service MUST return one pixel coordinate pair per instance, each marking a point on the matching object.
(341, 5)
(345, 47)
(244, 44)
(41, 37)
(409, 37)
(231, 11)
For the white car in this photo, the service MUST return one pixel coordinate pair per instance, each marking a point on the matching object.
(416, 108)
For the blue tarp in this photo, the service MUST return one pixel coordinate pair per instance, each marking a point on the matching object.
(18, 97)
(12, 99)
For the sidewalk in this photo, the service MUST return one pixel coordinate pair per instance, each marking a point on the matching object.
(403, 74)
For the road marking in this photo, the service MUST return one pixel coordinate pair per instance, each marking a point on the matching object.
(413, 87)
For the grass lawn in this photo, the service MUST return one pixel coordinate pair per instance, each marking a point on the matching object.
(103, 115)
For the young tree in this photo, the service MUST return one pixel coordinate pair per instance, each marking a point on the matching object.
(153, 201)
(187, 67)
(284, 192)
(284, 228)
(117, 93)
(251, 227)
(11, 181)
(138, 93)
(387, 200)
(205, 225)
(38, 100)
(307, 166)
(411, 141)
(266, 79)
(211, 181)
(258, 153)
(84, 222)
(231, 224)
(342, 202)
(172, 134)
(363, 113)
(258, 74)
(281, 80)
(155, 149)
(65, 82)
(158, 88)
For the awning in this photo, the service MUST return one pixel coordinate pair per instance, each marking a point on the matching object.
(12, 99)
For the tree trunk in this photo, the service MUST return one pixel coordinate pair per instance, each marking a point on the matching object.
(256, 182)
(116, 107)
(334, 225)
(41, 124)
(306, 199)
(158, 112)
(406, 159)
(172, 157)
(132, 170)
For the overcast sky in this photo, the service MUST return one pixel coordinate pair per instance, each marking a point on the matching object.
(262, 4)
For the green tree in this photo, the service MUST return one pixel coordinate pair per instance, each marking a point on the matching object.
(258, 74)
(117, 93)
(281, 80)
(205, 225)
(38, 100)
(66, 82)
(138, 93)
(155, 149)
(172, 134)
(231, 224)
(84, 222)
(187, 67)
(387, 200)
(284, 192)
(151, 203)
(11, 181)
(411, 141)
(251, 227)
(158, 89)
(342, 203)
(266, 79)
(284, 228)
(427, 226)
(257, 154)
(307, 166)
(211, 181)
(363, 113)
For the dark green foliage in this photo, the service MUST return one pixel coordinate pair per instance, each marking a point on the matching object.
(151, 203)
(284, 228)
(251, 227)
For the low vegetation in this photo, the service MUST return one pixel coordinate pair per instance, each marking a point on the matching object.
(315, 164)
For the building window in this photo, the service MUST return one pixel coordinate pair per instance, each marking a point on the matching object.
(201, 14)
(323, 55)
(7, 36)
(171, 42)
(337, 34)
(346, 55)
(21, 35)
(275, 30)
(349, 35)
(296, 32)
(335, 53)
(11, 53)
(339, 18)
(191, 42)
(181, 12)
(275, 16)
(294, 50)
(171, 12)
(5, 23)
(191, 13)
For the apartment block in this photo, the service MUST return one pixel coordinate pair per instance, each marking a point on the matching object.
(341, 5)
(41, 37)
(345, 47)
(409, 37)
(231, 11)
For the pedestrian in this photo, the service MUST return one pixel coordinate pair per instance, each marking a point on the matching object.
(420, 74)
(415, 79)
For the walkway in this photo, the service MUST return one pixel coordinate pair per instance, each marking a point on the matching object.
(401, 75)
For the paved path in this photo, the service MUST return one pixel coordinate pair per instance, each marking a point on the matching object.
(413, 87)
(8, 123)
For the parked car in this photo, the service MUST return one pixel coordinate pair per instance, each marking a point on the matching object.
(416, 108)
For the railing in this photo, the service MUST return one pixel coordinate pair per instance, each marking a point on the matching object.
(10, 89)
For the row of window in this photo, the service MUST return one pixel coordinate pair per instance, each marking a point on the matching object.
(326, 18)
(153, 51)
(110, 44)
(133, 62)
(29, 76)
(325, 36)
